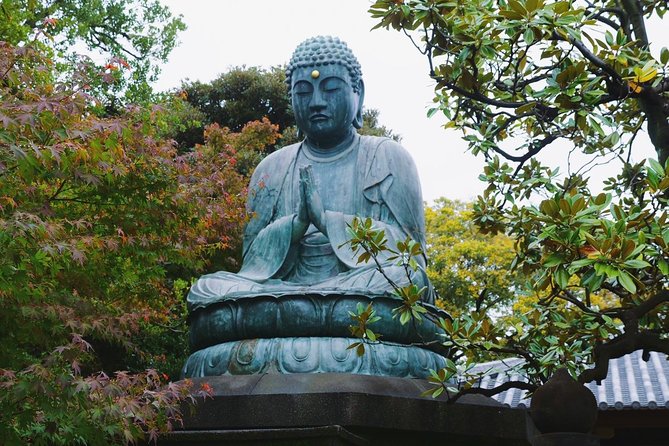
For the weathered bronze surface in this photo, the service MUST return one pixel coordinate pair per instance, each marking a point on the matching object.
(299, 276)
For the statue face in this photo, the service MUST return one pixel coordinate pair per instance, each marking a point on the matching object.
(324, 106)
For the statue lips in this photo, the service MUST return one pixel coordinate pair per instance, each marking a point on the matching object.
(318, 117)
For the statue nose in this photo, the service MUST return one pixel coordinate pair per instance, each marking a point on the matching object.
(317, 101)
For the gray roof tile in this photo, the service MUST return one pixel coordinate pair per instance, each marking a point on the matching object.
(631, 383)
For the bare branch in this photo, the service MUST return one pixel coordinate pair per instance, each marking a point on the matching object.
(630, 341)
(662, 87)
(599, 16)
(621, 346)
(569, 297)
(534, 148)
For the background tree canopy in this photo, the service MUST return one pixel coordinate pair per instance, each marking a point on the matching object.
(471, 271)
(128, 38)
(517, 77)
(241, 95)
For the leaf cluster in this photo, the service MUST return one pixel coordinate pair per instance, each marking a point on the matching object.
(103, 224)
(518, 76)
(133, 37)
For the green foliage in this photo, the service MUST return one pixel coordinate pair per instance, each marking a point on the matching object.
(516, 77)
(372, 127)
(373, 245)
(246, 94)
(239, 96)
(102, 226)
(471, 271)
(363, 317)
(133, 37)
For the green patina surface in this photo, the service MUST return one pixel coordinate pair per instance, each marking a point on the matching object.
(299, 276)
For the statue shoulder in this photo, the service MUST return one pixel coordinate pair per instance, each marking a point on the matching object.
(386, 145)
(388, 149)
(278, 160)
(269, 174)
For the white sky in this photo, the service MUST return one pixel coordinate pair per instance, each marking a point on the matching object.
(226, 33)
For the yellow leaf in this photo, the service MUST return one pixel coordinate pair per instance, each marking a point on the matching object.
(634, 87)
(648, 74)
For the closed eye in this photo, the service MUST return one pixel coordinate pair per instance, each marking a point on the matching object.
(303, 88)
(332, 84)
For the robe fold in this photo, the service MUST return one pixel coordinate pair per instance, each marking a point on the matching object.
(384, 187)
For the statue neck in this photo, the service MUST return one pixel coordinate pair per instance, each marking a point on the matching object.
(327, 150)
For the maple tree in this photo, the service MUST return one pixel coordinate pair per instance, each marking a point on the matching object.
(102, 226)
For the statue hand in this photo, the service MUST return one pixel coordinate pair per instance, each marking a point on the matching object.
(302, 207)
(315, 208)
(301, 221)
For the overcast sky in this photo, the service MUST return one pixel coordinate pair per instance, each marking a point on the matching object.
(225, 33)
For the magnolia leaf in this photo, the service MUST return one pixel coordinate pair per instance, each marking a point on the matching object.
(561, 278)
(626, 280)
(636, 264)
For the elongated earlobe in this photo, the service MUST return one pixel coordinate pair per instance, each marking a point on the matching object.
(357, 120)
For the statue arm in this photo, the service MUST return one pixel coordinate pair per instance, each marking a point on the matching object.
(269, 236)
(268, 251)
(393, 200)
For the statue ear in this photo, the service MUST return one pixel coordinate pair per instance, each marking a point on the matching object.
(357, 121)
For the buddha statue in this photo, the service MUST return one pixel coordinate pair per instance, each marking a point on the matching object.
(299, 277)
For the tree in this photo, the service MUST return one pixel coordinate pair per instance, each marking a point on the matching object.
(242, 95)
(468, 269)
(541, 71)
(132, 36)
(372, 127)
(236, 97)
(102, 226)
(517, 77)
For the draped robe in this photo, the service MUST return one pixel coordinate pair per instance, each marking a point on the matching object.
(383, 186)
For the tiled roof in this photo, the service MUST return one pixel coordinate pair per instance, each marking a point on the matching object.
(631, 383)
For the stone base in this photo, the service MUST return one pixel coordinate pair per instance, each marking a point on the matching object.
(343, 409)
(565, 439)
(309, 436)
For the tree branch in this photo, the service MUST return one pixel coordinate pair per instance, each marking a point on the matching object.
(630, 341)
(621, 346)
(535, 147)
(477, 96)
(635, 15)
(662, 87)
(569, 297)
(495, 390)
(648, 305)
(592, 58)
(599, 16)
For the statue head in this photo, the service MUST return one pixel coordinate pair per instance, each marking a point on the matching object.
(325, 83)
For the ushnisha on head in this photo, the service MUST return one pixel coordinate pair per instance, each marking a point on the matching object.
(327, 92)
(325, 50)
